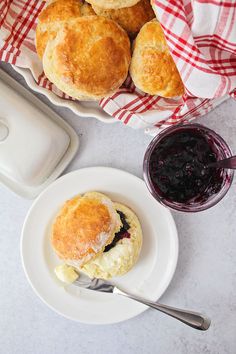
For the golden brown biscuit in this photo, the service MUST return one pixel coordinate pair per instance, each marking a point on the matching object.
(152, 68)
(89, 58)
(130, 18)
(52, 17)
(86, 10)
(84, 226)
(113, 4)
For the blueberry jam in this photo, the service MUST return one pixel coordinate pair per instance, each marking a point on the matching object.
(123, 233)
(178, 169)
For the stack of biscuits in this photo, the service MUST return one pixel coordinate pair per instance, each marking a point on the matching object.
(88, 49)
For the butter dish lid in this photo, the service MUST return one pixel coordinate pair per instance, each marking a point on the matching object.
(36, 144)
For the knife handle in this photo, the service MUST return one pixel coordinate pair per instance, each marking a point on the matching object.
(190, 318)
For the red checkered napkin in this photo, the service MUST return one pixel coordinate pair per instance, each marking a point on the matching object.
(201, 35)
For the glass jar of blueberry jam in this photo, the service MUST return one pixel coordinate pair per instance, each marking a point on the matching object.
(176, 168)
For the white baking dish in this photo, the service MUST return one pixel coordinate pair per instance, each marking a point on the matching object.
(80, 108)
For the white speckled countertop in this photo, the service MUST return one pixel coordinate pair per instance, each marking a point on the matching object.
(205, 278)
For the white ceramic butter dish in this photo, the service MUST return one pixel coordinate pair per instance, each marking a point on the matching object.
(36, 145)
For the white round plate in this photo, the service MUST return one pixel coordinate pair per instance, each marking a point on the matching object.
(149, 277)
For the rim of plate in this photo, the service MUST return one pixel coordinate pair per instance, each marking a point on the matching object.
(171, 223)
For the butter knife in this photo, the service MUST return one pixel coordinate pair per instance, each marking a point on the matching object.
(190, 318)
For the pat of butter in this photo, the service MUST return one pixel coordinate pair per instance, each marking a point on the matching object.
(66, 273)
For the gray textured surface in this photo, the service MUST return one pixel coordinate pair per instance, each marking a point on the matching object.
(205, 278)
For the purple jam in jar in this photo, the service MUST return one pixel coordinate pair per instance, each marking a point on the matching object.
(176, 167)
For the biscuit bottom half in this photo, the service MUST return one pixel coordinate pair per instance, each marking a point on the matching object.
(121, 255)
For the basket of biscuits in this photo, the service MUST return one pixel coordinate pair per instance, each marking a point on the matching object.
(149, 65)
